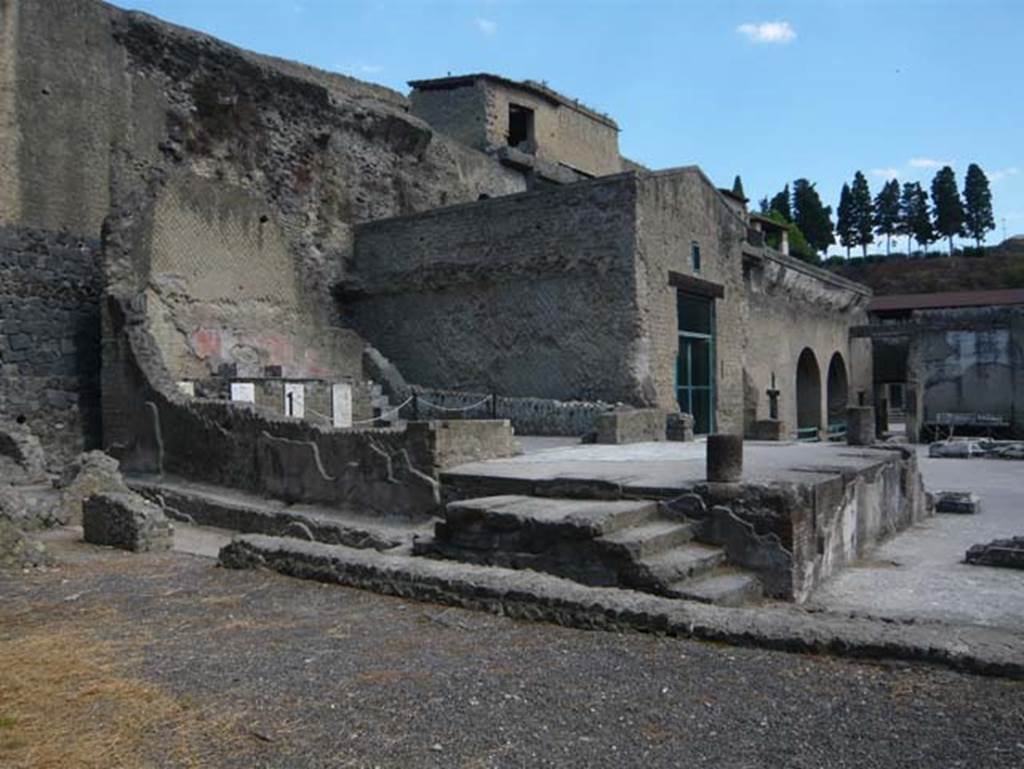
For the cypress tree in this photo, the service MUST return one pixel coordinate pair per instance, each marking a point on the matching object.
(737, 187)
(863, 215)
(764, 205)
(813, 218)
(887, 212)
(949, 210)
(844, 220)
(977, 204)
(780, 203)
(905, 224)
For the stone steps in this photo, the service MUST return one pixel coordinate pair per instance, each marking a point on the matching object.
(723, 586)
(224, 508)
(623, 543)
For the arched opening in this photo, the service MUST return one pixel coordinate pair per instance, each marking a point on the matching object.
(837, 395)
(808, 396)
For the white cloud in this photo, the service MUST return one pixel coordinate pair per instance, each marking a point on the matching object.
(927, 163)
(486, 26)
(768, 32)
(998, 176)
(886, 173)
(371, 69)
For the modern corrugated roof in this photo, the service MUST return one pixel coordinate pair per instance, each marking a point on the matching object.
(895, 302)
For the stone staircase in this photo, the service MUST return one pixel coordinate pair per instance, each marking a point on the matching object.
(383, 410)
(622, 543)
(224, 508)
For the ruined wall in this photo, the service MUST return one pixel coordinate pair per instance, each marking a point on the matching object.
(476, 113)
(970, 361)
(675, 209)
(49, 337)
(793, 306)
(527, 295)
(96, 103)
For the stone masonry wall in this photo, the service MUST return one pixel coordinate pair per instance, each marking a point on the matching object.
(676, 209)
(527, 295)
(50, 337)
(793, 307)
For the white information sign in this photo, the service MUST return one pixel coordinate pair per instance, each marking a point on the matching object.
(294, 400)
(243, 392)
(341, 405)
(187, 388)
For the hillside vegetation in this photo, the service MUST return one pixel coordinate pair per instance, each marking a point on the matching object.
(997, 267)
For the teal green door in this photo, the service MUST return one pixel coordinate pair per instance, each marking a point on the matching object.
(695, 365)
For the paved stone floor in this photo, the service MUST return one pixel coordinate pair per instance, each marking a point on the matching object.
(164, 660)
(667, 465)
(920, 573)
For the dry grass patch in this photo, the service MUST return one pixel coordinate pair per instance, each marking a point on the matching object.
(68, 699)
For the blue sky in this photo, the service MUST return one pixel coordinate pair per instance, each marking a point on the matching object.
(770, 90)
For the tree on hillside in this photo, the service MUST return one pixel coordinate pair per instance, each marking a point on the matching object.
(949, 210)
(813, 218)
(977, 204)
(764, 206)
(863, 215)
(915, 218)
(737, 187)
(780, 203)
(798, 245)
(844, 220)
(887, 212)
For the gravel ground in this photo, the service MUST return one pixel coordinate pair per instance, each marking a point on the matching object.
(323, 676)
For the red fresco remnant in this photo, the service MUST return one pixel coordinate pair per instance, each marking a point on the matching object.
(206, 343)
(279, 349)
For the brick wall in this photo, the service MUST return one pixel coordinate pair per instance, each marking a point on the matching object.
(49, 336)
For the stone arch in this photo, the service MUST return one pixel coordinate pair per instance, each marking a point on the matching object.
(837, 389)
(808, 392)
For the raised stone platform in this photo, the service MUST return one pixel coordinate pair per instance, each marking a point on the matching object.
(798, 514)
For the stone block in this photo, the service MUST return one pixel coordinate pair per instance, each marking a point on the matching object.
(630, 426)
(679, 427)
(860, 425)
(21, 456)
(1007, 553)
(960, 502)
(725, 458)
(127, 521)
(768, 430)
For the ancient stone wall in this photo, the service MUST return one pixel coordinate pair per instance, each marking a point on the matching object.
(261, 166)
(678, 209)
(793, 307)
(50, 337)
(476, 112)
(528, 295)
(970, 361)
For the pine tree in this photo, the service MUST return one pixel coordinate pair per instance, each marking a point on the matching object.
(844, 220)
(862, 212)
(905, 224)
(949, 210)
(916, 218)
(737, 187)
(813, 218)
(977, 204)
(764, 206)
(780, 203)
(887, 212)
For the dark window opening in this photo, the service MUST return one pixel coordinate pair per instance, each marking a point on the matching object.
(520, 127)
(695, 255)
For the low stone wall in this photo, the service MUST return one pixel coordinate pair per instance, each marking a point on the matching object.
(795, 536)
(630, 426)
(456, 442)
(126, 521)
(528, 416)
(50, 337)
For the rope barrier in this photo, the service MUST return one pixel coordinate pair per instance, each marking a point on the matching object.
(480, 402)
(394, 410)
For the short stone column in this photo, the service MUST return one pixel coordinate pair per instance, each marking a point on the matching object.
(725, 458)
(860, 425)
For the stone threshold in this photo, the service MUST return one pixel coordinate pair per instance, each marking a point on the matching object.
(541, 597)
